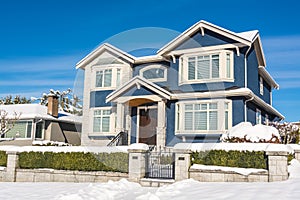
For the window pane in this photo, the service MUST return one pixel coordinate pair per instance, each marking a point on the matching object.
(228, 71)
(202, 118)
(105, 124)
(213, 120)
(197, 106)
(203, 67)
(97, 124)
(226, 120)
(106, 112)
(226, 106)
(18, 131)
(29, 128)
(215, 66)
(107, 78)
(188, 121)
(203, 106)
(188, 107)
(39, 130)
(213, 106)
(99, 79)
(191, 68)
(118, 77)
(154, 73)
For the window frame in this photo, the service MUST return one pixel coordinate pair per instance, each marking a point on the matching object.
(163, 79)
(261, 85)
(224, 76)
(112, 122)
(258, 116)
(116, 81)
(180, 117)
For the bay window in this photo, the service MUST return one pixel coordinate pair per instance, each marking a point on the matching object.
(203, 116)
(208, 67)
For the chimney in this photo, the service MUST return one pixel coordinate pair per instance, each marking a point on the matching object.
(53, 105)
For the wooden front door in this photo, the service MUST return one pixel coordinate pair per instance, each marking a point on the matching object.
(147, 125)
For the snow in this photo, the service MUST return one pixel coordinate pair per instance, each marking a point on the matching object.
(56, 149)
(252, 133)
(139, 146)
(182, 190)
(243, 171)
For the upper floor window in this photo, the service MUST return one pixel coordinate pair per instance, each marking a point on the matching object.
(155, 73)
(261, 85)
(108, 78)
(208, 67)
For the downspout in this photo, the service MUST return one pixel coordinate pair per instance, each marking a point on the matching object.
(246, 82)
(245, 108)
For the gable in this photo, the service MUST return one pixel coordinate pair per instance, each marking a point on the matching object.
(210, 38)
(107, 57)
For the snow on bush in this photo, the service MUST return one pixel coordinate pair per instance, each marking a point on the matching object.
(245, 132)
(49, 143)
(289, 132)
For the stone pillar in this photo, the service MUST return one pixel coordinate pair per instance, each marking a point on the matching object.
(137, 161)
(12, 165)
(297, 154)
(182, 164)
(120, 117)
(161, 124)
(278, 164)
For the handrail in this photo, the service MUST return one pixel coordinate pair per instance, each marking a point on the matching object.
(120, 139)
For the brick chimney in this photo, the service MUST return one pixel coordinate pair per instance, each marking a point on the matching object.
(53, 105)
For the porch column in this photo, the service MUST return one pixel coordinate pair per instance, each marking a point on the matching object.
(161, 124)
(120, 117)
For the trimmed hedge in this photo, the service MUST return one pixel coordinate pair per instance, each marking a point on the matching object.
(3, 158)
(243, 159)
(116, 162)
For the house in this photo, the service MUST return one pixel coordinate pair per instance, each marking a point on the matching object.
(38, 123)
(193, 89)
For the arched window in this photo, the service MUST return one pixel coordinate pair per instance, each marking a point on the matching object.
(155, 73)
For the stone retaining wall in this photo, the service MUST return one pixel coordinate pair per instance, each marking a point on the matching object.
(205, 175)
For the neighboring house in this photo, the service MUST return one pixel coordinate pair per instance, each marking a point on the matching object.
(38, 123)
(196, 87)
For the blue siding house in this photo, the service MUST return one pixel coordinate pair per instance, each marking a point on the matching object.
(193, 89)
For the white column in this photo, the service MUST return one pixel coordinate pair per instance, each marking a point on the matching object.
(161, 124)
(120, 117)
(128, 121)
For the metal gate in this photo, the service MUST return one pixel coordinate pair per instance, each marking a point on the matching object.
(160, 165)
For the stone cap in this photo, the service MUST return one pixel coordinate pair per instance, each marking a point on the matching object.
(138, 148)
(278, 150)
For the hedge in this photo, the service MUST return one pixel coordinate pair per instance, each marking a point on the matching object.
(243, 159)
(117, 162)
(3, 158)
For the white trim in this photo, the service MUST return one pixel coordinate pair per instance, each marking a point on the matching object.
(179, 123)
(265, 74)
(183, 67)
(155, 66)
(138, 119)
(258, 116)
(104, 47)
(132, 83)
(114, 69)
(112, 131)
(125, 99)
(204, 25)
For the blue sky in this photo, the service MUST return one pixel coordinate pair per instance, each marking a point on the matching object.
(41, 41)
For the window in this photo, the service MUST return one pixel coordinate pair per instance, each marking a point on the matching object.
(261, 85)
(267, 121)
(102, 120)
(217, 66)
(202, 116)
(258, 116)
(155, 73)
(108, 78)
(21, 129)
(39, 130)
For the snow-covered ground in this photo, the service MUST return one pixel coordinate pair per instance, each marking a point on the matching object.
(187, 189)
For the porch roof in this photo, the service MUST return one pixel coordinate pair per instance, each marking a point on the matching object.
(138, 81)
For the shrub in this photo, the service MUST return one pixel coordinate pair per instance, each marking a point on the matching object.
(244, 159)
(3, 158)
(117, 162)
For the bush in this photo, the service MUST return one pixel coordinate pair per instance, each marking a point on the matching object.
(243, 159)
(117, 162)
(3, 158)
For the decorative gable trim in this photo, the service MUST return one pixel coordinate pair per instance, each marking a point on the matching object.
(138, 82)
(202, 25)
(99, 50)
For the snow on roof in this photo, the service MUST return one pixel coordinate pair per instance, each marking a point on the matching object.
(248, 35)
(37, 111)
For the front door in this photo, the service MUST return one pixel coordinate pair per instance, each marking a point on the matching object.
(147, 125)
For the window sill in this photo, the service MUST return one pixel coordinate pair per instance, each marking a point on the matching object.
(102, 134)
(184, 133)
(207, 81)
(103, 89)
